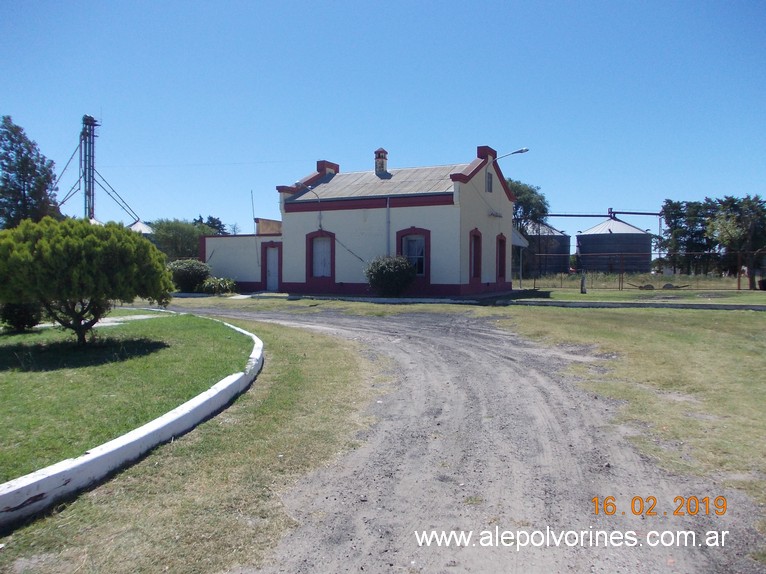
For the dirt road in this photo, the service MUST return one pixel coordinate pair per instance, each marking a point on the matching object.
(483, 433)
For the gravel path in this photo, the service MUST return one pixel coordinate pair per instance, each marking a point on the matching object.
(483, 433)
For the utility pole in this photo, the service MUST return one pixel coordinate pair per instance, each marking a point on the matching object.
(88, 163)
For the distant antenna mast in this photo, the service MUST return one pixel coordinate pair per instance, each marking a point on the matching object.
(88, 163)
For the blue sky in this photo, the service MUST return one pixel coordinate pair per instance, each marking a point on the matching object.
(622, 104)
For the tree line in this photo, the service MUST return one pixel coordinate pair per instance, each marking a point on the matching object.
(714, 236)
(720, 236)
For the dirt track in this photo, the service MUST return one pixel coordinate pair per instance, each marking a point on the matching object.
(482, 432)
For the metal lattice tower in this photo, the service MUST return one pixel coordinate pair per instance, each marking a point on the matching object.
(87, 163)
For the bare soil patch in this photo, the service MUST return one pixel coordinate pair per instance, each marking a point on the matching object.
(484, 431)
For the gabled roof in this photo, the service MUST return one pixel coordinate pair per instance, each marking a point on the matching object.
(544, 229)
(141, 227)
(328, 183)
(407, 181)
(614, 225)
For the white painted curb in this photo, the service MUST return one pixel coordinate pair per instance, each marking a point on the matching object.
(34, 492)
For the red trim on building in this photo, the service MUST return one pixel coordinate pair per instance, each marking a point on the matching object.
(324, 168)
(484, 155)
(369, 203)
(467, 174)
(248, 286)
(474, 256)
(423, 282)
(508, 193)
(202, 248)
(319, 284)
(433, 290)
(501, 256)
(485, 152)
(264, 263)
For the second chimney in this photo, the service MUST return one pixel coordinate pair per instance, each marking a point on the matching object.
(381, 162)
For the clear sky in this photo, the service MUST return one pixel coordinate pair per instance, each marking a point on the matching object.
(622, 104)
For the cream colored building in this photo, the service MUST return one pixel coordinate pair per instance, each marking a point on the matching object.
(453, 222)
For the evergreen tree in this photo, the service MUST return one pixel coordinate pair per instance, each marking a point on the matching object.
(27, 180)
(76, 270)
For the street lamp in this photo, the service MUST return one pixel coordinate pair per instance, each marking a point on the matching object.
(319, 201)
(521, 250)
(520, 150)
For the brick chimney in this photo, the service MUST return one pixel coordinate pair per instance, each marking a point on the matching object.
(381, 163)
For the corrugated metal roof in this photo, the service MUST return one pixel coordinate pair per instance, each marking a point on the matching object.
(141, 227)
(405, 181)
(544, 229)
(614, 225)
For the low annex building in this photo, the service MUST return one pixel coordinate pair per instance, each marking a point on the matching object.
(453, 222)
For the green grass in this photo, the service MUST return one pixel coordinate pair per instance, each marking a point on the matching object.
(612, 281)
(658, 295)
(210, 500)
(58, 400)
(692, 381)
(689, 382)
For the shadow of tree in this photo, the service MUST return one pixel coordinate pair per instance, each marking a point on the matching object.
(52, 356)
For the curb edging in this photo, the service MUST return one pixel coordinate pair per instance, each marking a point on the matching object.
(32, 493)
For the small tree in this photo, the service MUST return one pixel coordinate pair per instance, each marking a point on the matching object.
(390, 276)
(76, 270)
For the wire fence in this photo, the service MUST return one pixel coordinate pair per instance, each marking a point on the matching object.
(647, 271)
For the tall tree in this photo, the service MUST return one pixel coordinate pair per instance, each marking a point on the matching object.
(76, 270)
(27, 180)
(739, 227)
(689, 247)
(531, 206)
(213, 223)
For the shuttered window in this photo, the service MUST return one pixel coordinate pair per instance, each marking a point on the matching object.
(321, 258)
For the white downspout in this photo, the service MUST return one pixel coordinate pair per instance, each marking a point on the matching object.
(388, 226)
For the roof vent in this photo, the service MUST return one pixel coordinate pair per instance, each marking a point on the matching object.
(381, 163)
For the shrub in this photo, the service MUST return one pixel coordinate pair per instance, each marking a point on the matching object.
(189, 274)
(218, 285)
(390, 276)
(21, 316)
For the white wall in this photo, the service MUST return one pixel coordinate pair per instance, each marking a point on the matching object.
(236, 257)
(365, 234)
(475, 207)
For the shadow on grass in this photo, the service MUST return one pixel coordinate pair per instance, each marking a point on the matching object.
(527, 294)
(52, 356)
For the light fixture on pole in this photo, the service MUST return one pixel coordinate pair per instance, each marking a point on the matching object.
(492, 213)
(520, 150)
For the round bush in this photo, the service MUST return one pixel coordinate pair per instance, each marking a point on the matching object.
(218, 285)
(20, 316)
(189, 274)
(390, 276)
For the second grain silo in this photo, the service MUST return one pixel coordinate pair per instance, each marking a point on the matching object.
(548, 251)
(614, 246)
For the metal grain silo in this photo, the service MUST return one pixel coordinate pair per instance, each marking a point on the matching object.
(548, 251)
(614, 246)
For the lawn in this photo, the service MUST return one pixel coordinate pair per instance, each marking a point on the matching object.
(58, 400)
(691, 381)
(210, 501)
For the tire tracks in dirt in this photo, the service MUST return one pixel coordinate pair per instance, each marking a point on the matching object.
(483, 431)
